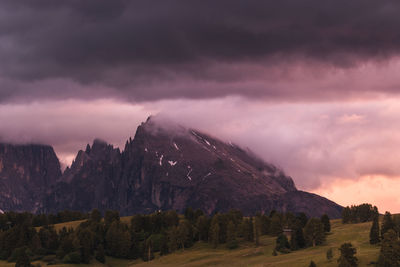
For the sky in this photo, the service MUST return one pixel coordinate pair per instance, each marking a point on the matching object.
(311, 86)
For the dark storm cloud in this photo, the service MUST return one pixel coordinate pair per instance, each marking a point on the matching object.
(145, 50)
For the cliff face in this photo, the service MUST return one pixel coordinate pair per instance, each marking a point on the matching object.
(90, 182)
(167, 166)
(26, 173)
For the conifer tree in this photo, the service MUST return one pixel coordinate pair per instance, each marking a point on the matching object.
(387, 223)
(314, 232)
(390, 250)
(374, 232)
(265, 223)
(275, 225)
(202, 226)
(173, 239)
(257, 230)
(251, 229)
(347, 255)
(346, 215)
(214, 235)
(326, 222)
(148, 251)
(183, 233)
(302, 217)
(231, 241)
(297, 240)
(282, 244)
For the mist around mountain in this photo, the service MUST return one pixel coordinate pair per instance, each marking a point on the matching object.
(165, 166)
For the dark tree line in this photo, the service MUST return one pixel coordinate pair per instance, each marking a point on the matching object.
(146, 235)
(359, 214)
(303, 233)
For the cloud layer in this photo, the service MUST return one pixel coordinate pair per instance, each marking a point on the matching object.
(325, 147)
(141, 51)
(310, 85)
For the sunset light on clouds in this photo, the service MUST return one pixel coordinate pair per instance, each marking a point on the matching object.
(315, 91)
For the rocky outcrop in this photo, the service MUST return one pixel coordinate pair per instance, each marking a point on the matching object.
(26, 173)
(166, 166)
(90, 182)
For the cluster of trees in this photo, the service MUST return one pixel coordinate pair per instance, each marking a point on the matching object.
(145, 235)
(347, 256)
(303, 233)
(359, 213)
(387, 235)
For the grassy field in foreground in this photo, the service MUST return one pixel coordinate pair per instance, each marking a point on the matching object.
(247, 255)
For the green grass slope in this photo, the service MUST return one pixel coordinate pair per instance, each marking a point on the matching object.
(248, 255)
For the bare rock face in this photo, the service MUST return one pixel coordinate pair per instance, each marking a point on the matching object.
(26, 173)
(89, 183)
(167, 166)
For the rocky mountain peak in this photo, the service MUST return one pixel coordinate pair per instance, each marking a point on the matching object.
(165, 166)
(26, 172)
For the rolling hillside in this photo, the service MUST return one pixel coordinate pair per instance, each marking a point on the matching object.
(247, 255)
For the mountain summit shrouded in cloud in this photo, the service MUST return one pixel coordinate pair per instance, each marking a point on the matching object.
(311, 86)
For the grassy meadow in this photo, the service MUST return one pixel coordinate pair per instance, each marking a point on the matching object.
(201, 254)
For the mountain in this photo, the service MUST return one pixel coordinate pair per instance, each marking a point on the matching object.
(89, 183)
(167, 166)
(26, 173)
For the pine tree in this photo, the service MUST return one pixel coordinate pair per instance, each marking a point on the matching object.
(325, 221)
(203, 227)
(387, 223)
(148, 251)
(390, 250)
(118, 240)
(214, 234)
(297, 240)
(265, 223)
(183, 233)
(346, 215)
(276, 225)
(231, 241)
(314, 232)
(257, 230)
(251, 229)
(282, 244)
(374, 232)
(302, 217)
(173, 239)
(347, 255)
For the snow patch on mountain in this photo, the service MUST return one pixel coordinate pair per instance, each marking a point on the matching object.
(172, 163)
(176, 146)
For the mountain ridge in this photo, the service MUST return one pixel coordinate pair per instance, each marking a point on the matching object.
(168, 166)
